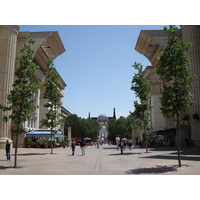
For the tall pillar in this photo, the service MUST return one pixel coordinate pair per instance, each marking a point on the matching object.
(8, 43)
(133, 136)
(192, 34)
(70, 135)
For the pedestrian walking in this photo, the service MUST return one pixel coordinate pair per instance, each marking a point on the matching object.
(130, 144)
(8, 150)
(73, 145)
(117, 142)
(97, 141)
(121, 145)
(82, 146)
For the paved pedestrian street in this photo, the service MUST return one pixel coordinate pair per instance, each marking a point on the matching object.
(106, 160)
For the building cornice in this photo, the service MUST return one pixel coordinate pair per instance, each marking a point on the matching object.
(48, 45)
(65, 111)
(151, 42)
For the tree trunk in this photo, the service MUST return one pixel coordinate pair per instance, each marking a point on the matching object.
(145, 134)
(16, 142)
(51, 141)
(178, 139)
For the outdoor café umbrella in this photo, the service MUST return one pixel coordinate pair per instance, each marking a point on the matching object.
(87, 138)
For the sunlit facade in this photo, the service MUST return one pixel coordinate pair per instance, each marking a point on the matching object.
(48, 45)
(150, 43)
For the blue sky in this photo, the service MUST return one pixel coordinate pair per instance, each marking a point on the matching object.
(97, 66)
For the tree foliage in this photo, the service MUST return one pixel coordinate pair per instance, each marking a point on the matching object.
(21, 98)
(173, 68)
(173, 63)
(141, 87)
(139, 84)
(121, 127)
(52, 95)
(82, 127)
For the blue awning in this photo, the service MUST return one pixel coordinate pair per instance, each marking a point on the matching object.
(43, 133)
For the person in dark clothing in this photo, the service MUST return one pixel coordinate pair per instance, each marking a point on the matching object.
(82, 146)
(121, 145)
(8, 150)
(73, 144)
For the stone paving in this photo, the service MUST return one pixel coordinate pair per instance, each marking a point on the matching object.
(106, 160)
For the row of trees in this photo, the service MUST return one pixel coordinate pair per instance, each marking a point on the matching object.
(141, 87)
(121, 127)
(175, 100)
(176, 97)
(82, 127)
(21, 102)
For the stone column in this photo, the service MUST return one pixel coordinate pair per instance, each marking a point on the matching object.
(133, 136)
(192, 34)
(8, 43)
(70, 135)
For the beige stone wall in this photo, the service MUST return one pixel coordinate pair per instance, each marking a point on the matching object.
(157, 120)
(8, 42)
(47, 45)
(192, 34)
(150, 43)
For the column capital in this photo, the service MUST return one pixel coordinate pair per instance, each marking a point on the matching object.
(11, 27)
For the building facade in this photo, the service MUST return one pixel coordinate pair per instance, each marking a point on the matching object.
(150, 43)
(48, 45)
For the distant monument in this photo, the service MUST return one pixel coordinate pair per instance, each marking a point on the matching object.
(103, 122)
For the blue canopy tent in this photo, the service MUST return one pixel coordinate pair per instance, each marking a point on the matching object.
(88, 141)
(87, 138)
(45, 133)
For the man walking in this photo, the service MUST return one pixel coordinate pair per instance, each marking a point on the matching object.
(121, 145)
(82, 146)
(8, 150)
(73, 145)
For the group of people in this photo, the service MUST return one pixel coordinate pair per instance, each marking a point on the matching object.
(156, 143)
(122, 144)
(82, 146)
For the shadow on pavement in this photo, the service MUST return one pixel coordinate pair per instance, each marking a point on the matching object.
(173, 157)
(5, 167)
(184, 150)
(8, 167)
(109, 148)
(30, 154)
(125, 153)
(152, 170)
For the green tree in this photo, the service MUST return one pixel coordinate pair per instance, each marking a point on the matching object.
(82, 127)
(121, 127)
(52, 95)
(72, 121)
(90, 128)
(21, 98)
(135, 124)
(141, 87)
(112, 129)
(176, 98)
